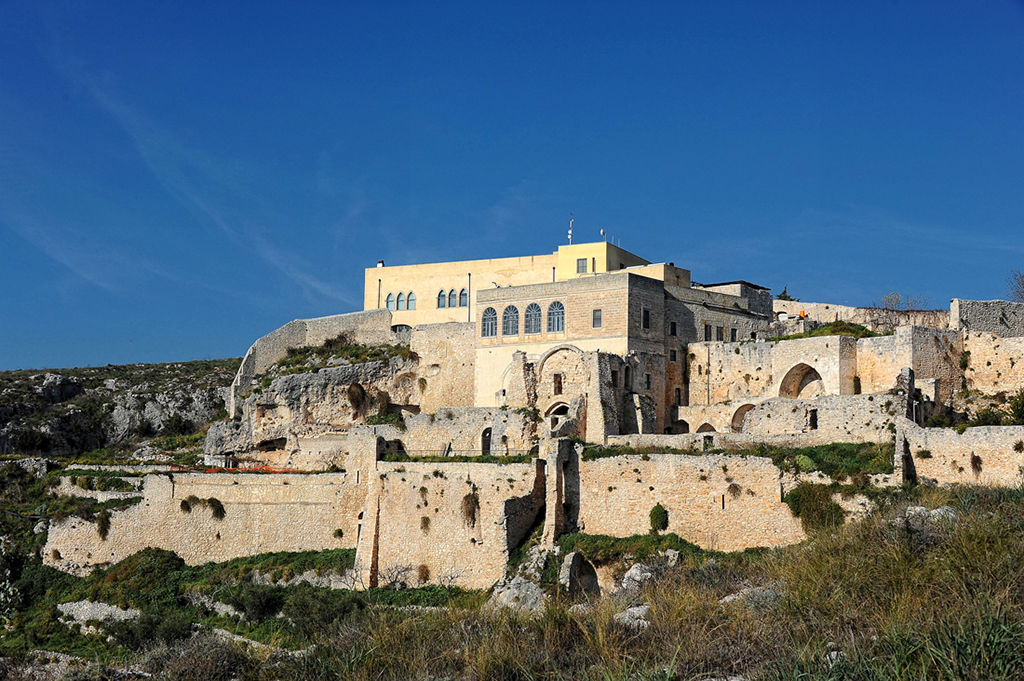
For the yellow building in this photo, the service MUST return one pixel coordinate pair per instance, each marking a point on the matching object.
(446, 292)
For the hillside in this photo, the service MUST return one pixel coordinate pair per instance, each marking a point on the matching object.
(64, 413)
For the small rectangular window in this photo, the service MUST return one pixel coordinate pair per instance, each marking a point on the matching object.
(581, 265)
(679, 397)
(672, 328)
(707, 332)
(720, 333)
(558, 384)
(615, 378)
(647, 381)
(732, 335)
(671, 355)
(647, 319)
(597, 319)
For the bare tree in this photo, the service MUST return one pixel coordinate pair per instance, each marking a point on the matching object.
(1015, 286)
(890, 310)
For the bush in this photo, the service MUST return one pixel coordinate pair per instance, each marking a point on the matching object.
(938, 421)
(311, 611)
(176, 424)
(257, 602)
(103, 524)
(149, 629)
(988, 417)
(814, 506)
(659, 519)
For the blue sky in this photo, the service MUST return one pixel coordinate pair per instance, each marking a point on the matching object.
(179, 178)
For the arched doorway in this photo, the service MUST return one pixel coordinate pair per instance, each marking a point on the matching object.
(485, 442)
(802, 381)
(737, 418)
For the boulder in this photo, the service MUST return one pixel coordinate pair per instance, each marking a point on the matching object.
(755, 597)
(518, 594)
(635, 577)
(634, 618)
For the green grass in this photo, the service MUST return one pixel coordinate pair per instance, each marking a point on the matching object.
(600, 549)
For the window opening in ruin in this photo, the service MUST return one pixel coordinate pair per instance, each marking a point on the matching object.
(485, 442)
(463, 298)
(707, 332)
(647, 319)
(489, 323)
(812, 419)
(709, 441)
(510, 321)
(679, 397)
(720, 333)
(671, 355)
(683, 426)
(411, 304)
(556, 317)
(672, 329)
(357, 477)
(452, 301)
(732, 335)
(723, 502)
(581, 265)
(615, 378)
(597, 319)
(391, 301)
(753, 335)
(593, 264)
(401, 301)
(442, 298)
(557, 380)
(647, 381)
(531, 320)
(627, 383)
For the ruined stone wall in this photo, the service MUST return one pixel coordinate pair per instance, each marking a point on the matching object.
(720, 372)
(996, 364)
(935, 354)
(463, 541)
(263, 513)
(833, 418)
(618, 493)
(461, 431)
(984, 455)
(998, 317)
(875, 319)
(446, 365)
(369, 328)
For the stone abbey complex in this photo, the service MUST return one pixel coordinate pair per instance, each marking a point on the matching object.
(472, 403)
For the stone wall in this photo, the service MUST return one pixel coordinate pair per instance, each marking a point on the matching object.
(985, 455)
(995, 364)
(998, 317)
(474, 513)
(618, 493)
(263, 513)
(445, 377)
(369, 328)
(874, 318)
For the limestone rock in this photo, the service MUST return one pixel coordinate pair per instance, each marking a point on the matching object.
(57, 388)
(519, 594)
(37, 466)
(635, 577)
(755, 597)
(578, 575)
(634, 618)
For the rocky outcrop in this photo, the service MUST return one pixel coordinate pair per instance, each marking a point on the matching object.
(311, 405)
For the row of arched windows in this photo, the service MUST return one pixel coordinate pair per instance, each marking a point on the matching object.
(401, 302)
(531, 320)
(450, 300)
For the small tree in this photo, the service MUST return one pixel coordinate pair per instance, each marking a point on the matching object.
(659, 519)
(1015, 286)
(784, 295)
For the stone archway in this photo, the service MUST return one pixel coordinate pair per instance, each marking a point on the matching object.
(802, 381)
(706, 428)
(557, 409)
(739, 416)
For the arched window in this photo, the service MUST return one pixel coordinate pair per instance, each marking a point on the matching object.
(452, 301)
(391, 301)
(442, 297)
(401, 301)
(531, 320)
(489, 323)
(556, 317)
(411, 305)
(510, 321)
(463, 298)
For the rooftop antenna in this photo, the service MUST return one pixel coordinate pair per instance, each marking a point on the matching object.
(570, 228)
(602, 235)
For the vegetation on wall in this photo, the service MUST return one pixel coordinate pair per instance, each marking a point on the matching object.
(836, 328)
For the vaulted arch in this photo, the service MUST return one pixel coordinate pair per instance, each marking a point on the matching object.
(739, 416)
(706, 428)
(803, 380)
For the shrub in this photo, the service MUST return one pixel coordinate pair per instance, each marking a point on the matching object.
(814, 506)
(470, 506)
(804, 463)
(659, 519)
(938, 421)
(975, 464)
(923, 454)
(186, 507)
(339, 533)
(1017, 409)
(103, 524)
(1018, 446)
(425, 523)
(988, 417)
(423, 574)
(216, 508)
(734, 490)
(176, 424)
